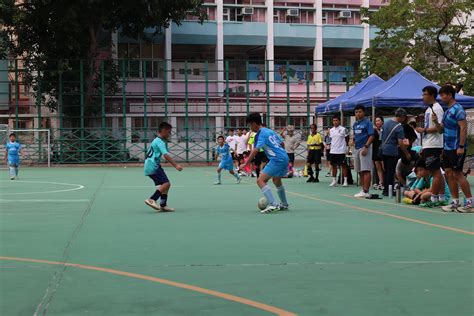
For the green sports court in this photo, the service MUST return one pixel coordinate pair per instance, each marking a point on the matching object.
(80, 241)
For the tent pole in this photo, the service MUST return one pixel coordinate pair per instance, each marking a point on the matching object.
(373, 113)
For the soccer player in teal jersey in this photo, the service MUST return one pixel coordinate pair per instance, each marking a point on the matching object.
(275, 169)
(223, 149)
(154, 170)
(12, 156)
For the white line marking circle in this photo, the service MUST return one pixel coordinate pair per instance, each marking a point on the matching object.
(76, 187)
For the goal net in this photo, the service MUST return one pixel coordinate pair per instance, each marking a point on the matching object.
(35, 145)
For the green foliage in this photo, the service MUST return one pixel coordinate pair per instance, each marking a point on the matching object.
(431, 36)
(51, 36)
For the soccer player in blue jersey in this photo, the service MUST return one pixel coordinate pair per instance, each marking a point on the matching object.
(154, 170)
(12, 156)
(227, 163)
(276, 168)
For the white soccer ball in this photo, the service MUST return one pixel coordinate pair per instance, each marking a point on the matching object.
(262, 203)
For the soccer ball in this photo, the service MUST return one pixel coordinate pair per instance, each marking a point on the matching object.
(262, 203)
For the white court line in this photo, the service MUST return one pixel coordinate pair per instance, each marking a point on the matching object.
(225, 185)
(77, 187)
(46, 201)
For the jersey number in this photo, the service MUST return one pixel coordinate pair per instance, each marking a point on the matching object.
(150, 152)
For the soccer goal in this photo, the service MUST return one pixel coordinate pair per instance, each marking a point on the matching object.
(35, 145)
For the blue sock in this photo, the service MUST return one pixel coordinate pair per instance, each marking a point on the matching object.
(156, 195)
(267, 193)
(16, 171)
(219, 176)
(282, 195)
(163, 200)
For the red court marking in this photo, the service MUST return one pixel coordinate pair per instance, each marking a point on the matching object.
(409, 219)
(229, 297)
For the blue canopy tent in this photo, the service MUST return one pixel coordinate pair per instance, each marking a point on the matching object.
(402, 90)
(334, 105)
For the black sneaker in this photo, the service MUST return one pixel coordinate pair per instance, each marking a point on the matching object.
(311, 179)
(316, 180)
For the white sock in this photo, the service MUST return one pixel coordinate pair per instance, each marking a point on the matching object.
(441, 197)
(345, 180)
(456, 201)
(434, 198)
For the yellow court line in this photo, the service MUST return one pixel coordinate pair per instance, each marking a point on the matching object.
(363, 209)
(229, 297)
(400, 205)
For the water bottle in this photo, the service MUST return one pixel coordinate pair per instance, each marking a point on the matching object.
(390, 191)
(398, 196)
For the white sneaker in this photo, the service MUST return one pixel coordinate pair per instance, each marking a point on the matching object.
(362, 195)
(12, 178)
(345, 184)
(217, 183)
(151, 203)
(284, 207)
(270, 209)
(333, 183)
(167, 209)
(452, 207)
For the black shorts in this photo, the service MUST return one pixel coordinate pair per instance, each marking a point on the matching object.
(240, 158)
(432, 158)
(451, 160)
(159, 177)
(291, 158)
(314, 156)
(260, 158)
(338, 159)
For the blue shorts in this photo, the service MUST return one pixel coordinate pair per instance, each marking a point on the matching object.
(13, 164)
(227, 165)
(276, 168)
(159, 177)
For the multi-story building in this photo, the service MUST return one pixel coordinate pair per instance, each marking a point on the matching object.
(279, 58)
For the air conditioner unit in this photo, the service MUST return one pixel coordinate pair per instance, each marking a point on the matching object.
(293, 12)
(344, 14)
(246, 11)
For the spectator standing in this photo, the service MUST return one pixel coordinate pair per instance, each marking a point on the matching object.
(363, 138)
(339, 139)
(392, 140)
(455, 142)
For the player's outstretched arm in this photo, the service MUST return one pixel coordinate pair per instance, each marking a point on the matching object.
(172, 162)
(252, 155)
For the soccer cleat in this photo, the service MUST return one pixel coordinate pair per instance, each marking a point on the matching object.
(452, 207)
(12, 178)
(284, 207)
(217, 183)
(333, 183)
(362, 195)
(238, 180)
(151, 203)
(270, 209)
(166, 209)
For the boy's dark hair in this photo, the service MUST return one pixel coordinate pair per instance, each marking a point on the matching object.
(12, 134)
(220, 136)
(164, 125)
(431, 91)
(254, 118)
(420, 163)
(380, 117)
(231, 129)
(336, 117)
(448, 90)
(359, 107)
(315, 126)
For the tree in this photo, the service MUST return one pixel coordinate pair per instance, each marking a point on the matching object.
(52, 36)
(434, 37)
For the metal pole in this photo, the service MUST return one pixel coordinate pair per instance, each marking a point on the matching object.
(38, 109)
(81, 119)
(145, 108)
(308, 101)
(287, 93)
(247, 87)
(102, 101)
(227, 104)
(268, 92)
(186, 105)
(347, 76)
(165, 68)
(17, 94)
(124, 109)
(206, 77)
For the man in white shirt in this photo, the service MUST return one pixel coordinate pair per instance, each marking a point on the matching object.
(231, 141)
(241, 142)
(432, 143)
(339, 140)
(290, 142)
